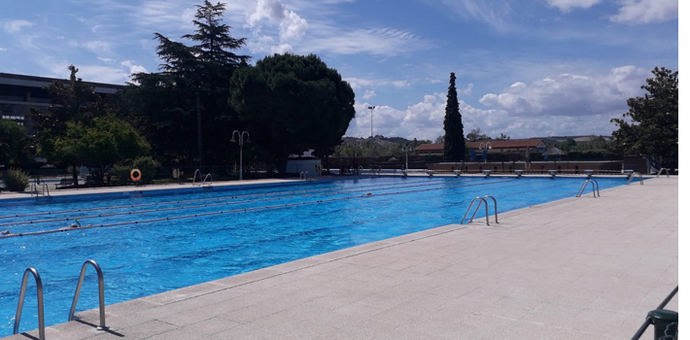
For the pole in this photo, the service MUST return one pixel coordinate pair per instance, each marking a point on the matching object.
(241, 144)
(406, 166)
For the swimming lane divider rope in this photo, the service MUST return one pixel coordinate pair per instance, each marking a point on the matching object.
(83, 217)
(272, 193)
(277, 206)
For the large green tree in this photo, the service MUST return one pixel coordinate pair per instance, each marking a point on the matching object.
(454, 141)
(292, 103)
(183, 110)
(14, 144)
(74, 101)
(650, 127)
(106, 141)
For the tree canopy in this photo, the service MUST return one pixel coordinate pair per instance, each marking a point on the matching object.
(14, 144)
(650, 127)
(292, 103)
(105, 142)
(454, 141)
(184, 110)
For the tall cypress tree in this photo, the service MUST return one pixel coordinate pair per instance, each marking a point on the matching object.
(454, 144)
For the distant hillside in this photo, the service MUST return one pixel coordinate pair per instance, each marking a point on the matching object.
(378, 146)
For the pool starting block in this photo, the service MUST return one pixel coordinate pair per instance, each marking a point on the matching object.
(486, 173)
(457, 173)
(552, 173)
(518, 173)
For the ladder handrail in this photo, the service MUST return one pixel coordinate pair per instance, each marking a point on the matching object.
(495, 206)
(595, 187)
(197, 171)
(631, 176)
(208, 176)
(101, 295)
(470, 207)
(39, 297)
(668, 173)
(486, 207)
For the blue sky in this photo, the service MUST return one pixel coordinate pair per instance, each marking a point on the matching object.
(524, 68)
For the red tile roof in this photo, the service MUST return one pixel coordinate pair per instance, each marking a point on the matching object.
(495, 144)
(508, 144)
(430, 148)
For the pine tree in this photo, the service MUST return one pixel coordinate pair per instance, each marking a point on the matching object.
(650, 127)
(188, 100)
(454, 145)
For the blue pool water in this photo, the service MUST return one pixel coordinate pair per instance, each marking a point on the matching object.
(208, 234)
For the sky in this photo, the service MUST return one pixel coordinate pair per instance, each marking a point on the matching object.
(529, 68)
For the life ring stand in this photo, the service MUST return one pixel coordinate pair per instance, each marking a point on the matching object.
(135, 175)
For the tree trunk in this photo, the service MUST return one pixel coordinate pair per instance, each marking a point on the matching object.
(75, 176)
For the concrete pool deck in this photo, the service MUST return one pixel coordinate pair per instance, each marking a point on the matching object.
(577, 268)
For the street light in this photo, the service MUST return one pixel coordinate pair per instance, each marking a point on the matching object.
(407, 149)
(371, 110)
(485, 147)
(240, 140)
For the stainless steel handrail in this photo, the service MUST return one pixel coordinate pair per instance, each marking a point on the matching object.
(101, 295)
(668, 173)
(486, 206)
(197, 171)
(39, 296)
(207, 177)
(595, 187)
(648, 320)
(631, 176)
(495, 206)
(470, 208)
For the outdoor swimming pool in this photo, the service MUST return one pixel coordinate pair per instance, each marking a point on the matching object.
(152, 242)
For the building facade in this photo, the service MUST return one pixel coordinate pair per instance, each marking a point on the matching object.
(20, 93)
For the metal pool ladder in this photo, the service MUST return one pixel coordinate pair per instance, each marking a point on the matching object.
(595, 187)
(101, 295)
(39, 296)
(208, 177)
(45, 191)
(481, 200)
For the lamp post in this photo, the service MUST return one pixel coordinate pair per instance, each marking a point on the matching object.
(485, 147)
(240, 140)
(407, 149)
(371, 110)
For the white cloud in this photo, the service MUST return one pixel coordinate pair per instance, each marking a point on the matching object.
(14, 26)
(570, 94)
(646, 11)
(368, 94)
(97, 46)
(291, 26)
(384, 41)
(133, 68)
(492, 12)
(467, 90)
(357, 83)
(104, 74)
(564, 104)
(2, 49)
(567, 5)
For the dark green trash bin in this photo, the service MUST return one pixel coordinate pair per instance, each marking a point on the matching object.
(665, 323)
